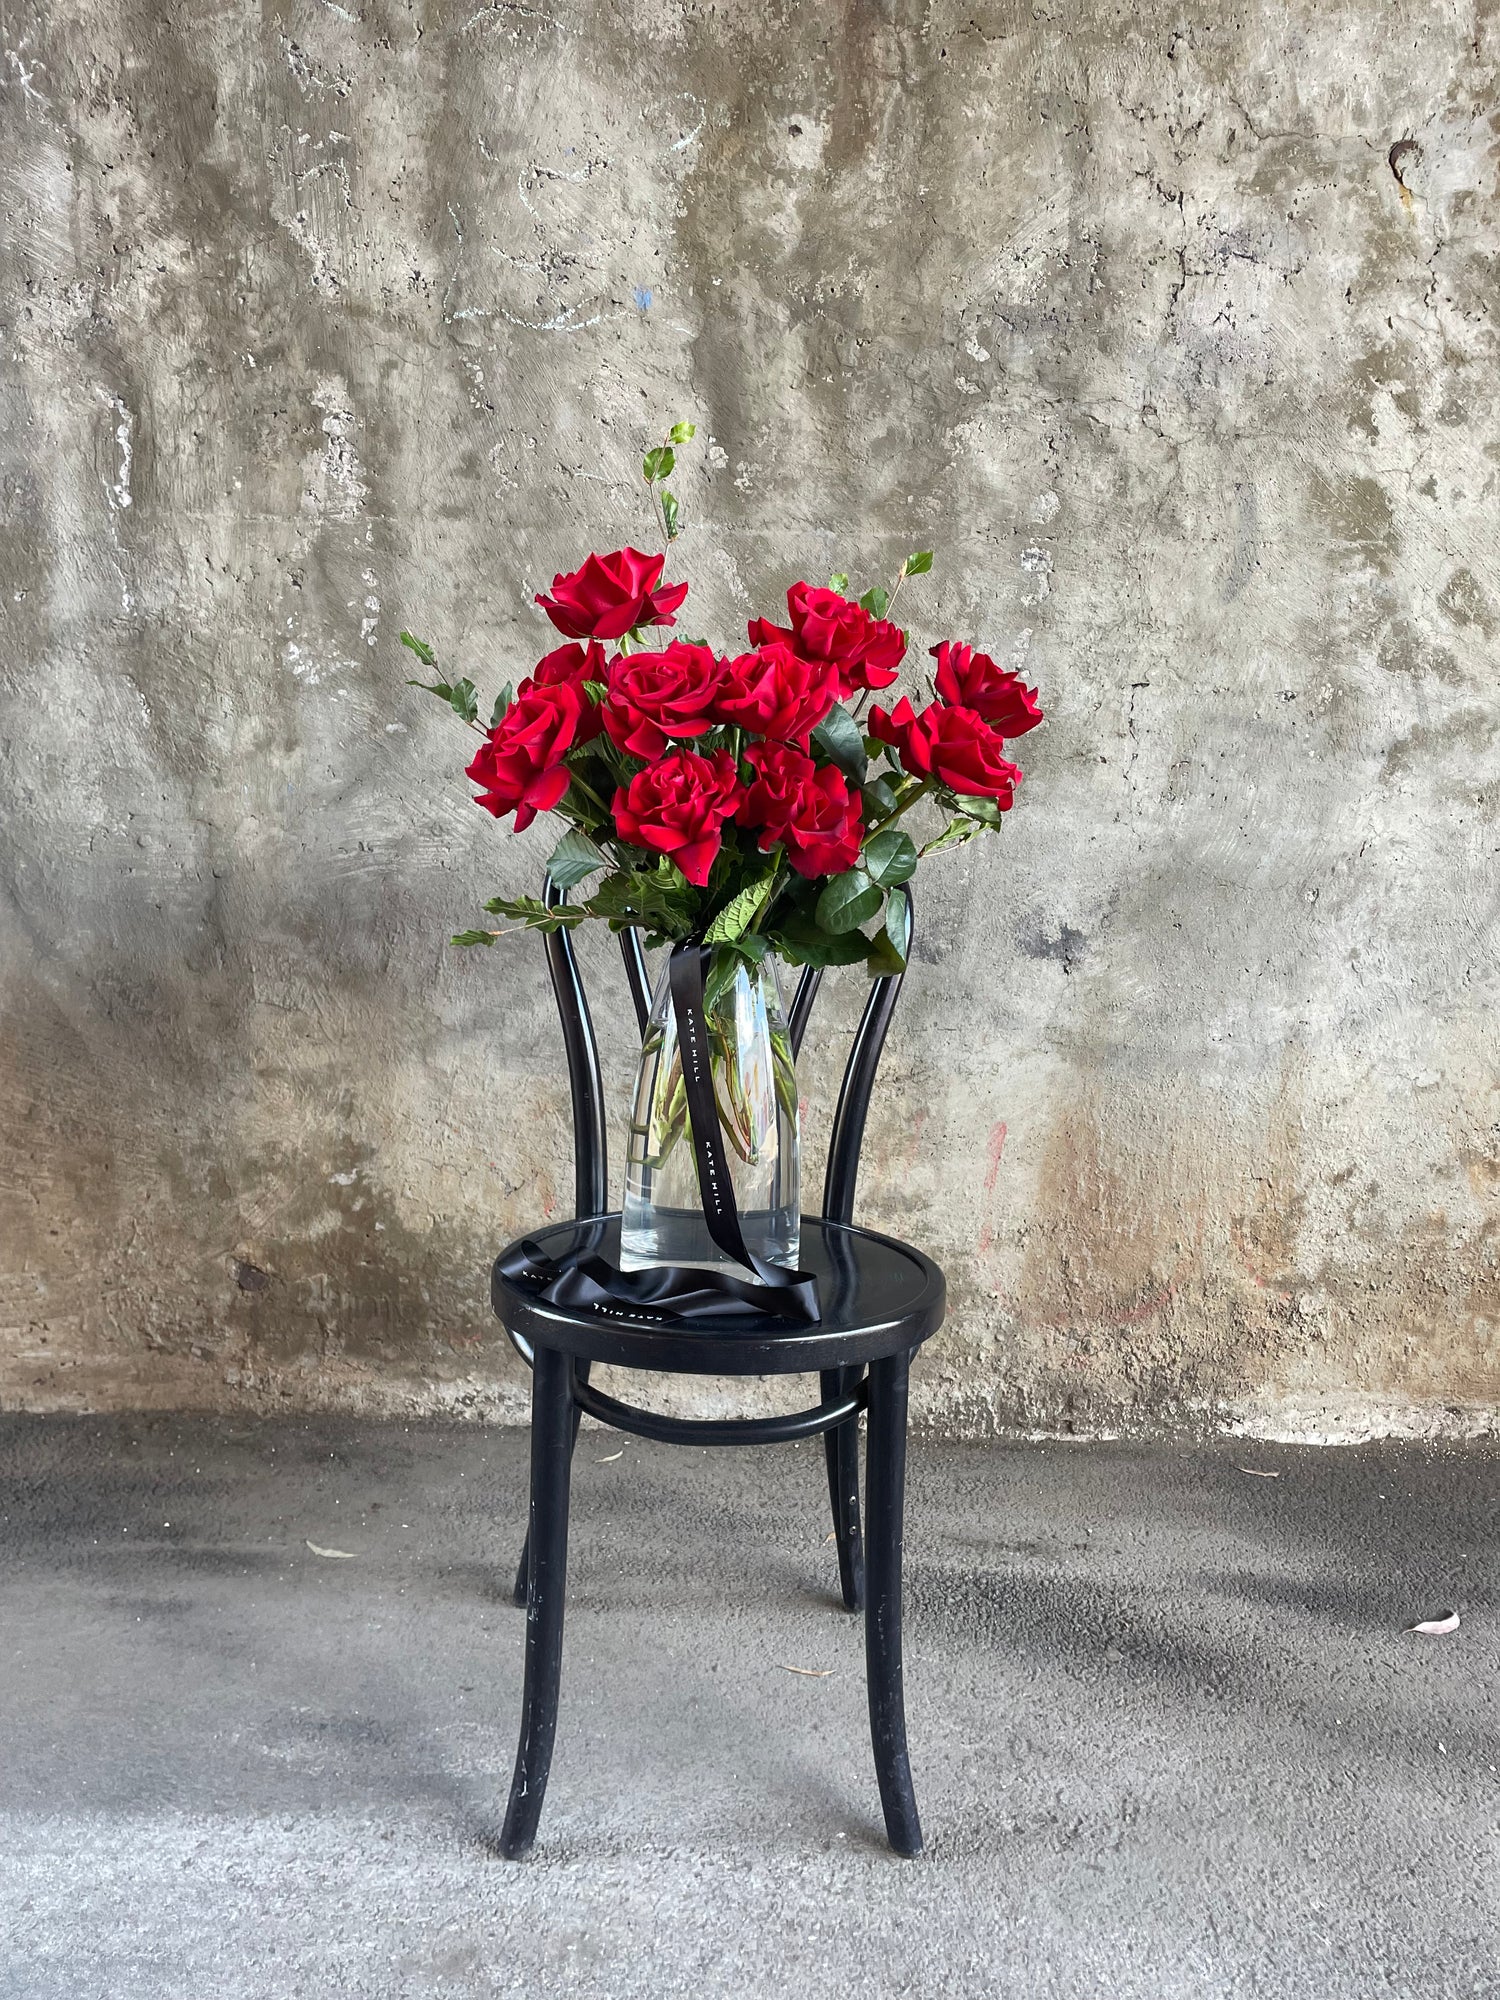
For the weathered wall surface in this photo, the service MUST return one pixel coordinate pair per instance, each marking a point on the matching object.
(1173, 329)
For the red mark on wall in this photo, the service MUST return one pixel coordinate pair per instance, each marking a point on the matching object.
(914, 1146)
(992, 1174)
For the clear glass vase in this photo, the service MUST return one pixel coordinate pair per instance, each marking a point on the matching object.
(755, 1091)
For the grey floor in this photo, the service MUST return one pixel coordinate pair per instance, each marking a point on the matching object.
(1170, 1738)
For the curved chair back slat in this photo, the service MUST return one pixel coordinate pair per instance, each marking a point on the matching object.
(635, 971)
(848, 1136)
(802, 1006)
(586, 1085)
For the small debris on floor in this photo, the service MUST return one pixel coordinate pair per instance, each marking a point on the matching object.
(1439, 1627)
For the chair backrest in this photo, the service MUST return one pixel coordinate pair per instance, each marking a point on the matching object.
(586, 1084)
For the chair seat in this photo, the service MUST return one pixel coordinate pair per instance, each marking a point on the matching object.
(877, 1297)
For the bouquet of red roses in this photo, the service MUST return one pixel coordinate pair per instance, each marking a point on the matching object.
(744, 800)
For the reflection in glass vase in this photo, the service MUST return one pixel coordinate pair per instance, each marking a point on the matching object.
(755, 1092)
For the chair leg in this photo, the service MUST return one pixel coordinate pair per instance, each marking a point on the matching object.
(841, 1450)
(518, 1589)
(552, 1430)
(886, 1482)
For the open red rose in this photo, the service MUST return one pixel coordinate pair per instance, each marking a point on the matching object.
(654, 696)
(611, 595)
(575, 664)
(878, 661)
(772, 692)
(519, 767)
(865, 651)
(953, 745)
(809, 810)
(972, 680)
(678, 807)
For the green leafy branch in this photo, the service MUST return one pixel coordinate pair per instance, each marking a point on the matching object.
(461, 696)
(877, 600)
(656, 468)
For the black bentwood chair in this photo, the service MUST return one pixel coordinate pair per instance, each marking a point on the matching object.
(879, 1300)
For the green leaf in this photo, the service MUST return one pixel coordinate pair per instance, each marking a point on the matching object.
(954, 834)
(473, 937)
(898, 923)
(658, 899)
(799, 941)
(839, 582)
(875, 600)
(847, 901)
(882, 958)
(890, 857)
(918, 564)
(680, 433)
(534, 913)
(740, 912)
(503, 701)
(658, 463)
(422, 650)
(596, 691)
(669, 513)
(984, 810)
(581, 807)
(879, 798)
(837, 738)
(575, 857)
(463, 699)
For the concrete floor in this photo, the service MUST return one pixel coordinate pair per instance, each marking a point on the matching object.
(1169, 1736)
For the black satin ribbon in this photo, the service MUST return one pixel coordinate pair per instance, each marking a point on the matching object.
(670, 1291)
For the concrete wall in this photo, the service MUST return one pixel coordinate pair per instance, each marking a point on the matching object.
(1172, 329)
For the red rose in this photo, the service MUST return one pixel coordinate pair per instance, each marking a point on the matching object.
(972, 680)
(809, 810)
(953, 745)
(575, 664)
(520, 765)
(774, 693)
(678, 807)
(611, 595)
(865, 651)
(879, 660)
(656, 695)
